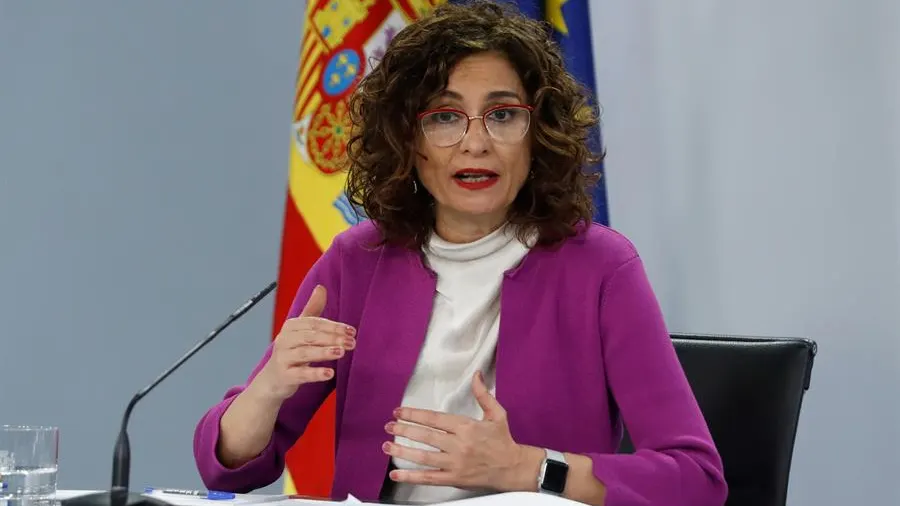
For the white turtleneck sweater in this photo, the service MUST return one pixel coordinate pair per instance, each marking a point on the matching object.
(461, 338)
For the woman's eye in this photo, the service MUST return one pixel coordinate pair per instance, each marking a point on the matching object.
(503, 115)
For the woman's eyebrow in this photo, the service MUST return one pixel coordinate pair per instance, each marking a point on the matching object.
(494, 95)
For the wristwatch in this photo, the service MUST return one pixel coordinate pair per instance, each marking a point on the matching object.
(554, 470)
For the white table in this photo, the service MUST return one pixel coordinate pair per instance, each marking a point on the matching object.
(507, 499)
(239, 500)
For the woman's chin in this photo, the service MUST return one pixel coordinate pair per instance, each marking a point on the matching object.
(480, 213)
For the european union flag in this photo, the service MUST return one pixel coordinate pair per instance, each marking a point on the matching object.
(571, 22)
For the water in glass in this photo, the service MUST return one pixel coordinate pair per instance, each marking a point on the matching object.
(28, 464)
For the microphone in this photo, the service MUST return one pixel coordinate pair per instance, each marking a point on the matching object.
(119, 495)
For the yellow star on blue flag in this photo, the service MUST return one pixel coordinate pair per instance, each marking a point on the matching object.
(554, 15)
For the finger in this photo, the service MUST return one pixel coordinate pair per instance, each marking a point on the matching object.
(316, 302)
(424, 477)
(325, 325)
(429, 436)
(308, 354)
(437, 460)
(306, 374)
(492, 409)
(317, 324)
(442, 421)
(304, 338)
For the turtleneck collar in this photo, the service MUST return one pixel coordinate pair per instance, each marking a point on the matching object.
(464, 252)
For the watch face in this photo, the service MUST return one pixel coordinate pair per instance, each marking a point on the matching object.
(555, 477)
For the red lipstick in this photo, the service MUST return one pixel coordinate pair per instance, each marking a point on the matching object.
(475, 179)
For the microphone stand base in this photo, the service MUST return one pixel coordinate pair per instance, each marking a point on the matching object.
(106, 499)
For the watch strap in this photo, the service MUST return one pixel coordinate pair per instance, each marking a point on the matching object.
(555, 455)
(554, 471)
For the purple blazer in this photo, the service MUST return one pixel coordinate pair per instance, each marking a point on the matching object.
(582, 348)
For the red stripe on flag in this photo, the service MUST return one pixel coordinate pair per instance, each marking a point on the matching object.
(311, 460)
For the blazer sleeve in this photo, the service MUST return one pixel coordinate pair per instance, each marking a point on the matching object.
(294, 414)
(675, 462)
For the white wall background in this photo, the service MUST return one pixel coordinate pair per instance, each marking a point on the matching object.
(143, 160)
(754, 158)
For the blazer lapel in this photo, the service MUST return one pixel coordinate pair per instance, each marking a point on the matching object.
(520, 346)
(391, 333)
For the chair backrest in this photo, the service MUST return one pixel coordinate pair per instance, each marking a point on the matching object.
(750, 390)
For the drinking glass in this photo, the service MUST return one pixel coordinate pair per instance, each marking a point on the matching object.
(29, 460)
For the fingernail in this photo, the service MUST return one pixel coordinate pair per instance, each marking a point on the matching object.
(395, 475)
(337, 351)
(397, 413)
(386, 447)
(390, 427)
(349, 343)
(350, 331)
(328, 373)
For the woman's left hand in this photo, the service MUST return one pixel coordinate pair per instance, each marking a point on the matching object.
(472, 454)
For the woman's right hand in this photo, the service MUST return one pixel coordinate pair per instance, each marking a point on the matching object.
(303, 340)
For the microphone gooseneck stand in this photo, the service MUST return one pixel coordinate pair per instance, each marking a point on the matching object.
(119, 494)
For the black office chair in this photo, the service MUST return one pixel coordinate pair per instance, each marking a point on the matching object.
(750, 390)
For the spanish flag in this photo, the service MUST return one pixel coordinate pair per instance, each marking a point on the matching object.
(342, 39)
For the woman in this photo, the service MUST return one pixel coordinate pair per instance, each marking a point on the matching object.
(482, 335)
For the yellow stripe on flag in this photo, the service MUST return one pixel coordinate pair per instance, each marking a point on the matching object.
(289, 488)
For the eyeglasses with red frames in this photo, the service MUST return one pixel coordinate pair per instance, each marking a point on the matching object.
(505, 123)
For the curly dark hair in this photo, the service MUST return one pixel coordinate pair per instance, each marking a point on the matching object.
(415, 68)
